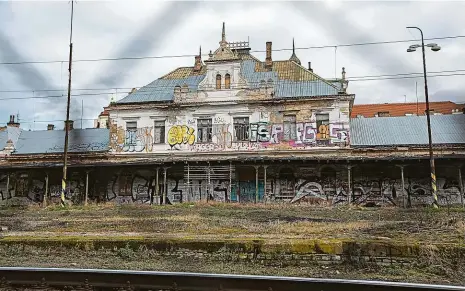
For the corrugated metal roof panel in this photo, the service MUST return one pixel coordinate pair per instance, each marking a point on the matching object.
(285, 88)
(52, 141)
(287, 79)
(407, 130)
(10, 133)
(161, 90)
(3, 139)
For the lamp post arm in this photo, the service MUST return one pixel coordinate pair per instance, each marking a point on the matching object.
(428, 120)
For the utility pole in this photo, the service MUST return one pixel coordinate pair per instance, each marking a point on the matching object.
(434, 47)
(67, 123)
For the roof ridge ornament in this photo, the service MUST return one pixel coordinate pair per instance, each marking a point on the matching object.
(294, 56)
(223, 42)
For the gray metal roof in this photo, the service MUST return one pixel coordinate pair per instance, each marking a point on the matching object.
(161, 90)
(407, 130)
(52, 141)
(10, 133)
(285, 88)
(3, 139)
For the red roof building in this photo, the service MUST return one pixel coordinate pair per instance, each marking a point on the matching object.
(405, 109)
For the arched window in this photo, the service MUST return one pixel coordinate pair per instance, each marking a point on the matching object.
(218, 81)
(227, 81)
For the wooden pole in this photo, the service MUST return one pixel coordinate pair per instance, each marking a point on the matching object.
(8, 185)
(165, 187)
(256, 184)
(87, 188)
(264, 182)
(230, 180)
(403, 186)
(209, 183)
(461, 187)
(188, 183)
(46, 190)
(351, 199)
(157, 194)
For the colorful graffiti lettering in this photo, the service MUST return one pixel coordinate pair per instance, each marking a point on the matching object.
(181, 134)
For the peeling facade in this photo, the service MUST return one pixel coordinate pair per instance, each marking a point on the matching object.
(232, 128)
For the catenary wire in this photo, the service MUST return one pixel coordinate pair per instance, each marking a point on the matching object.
(163, 89)
(253, 51)
(354, 78)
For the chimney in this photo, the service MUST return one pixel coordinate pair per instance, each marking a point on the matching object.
(198, 61)
(268, 60)
(12, 122)
(70, 124)
(50, 127)
(310, 66)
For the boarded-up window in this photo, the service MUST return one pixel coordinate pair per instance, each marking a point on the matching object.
(218, 81)
(227, 81)
(290, 129)
(241, 128)
(204, 130)
(159, 132)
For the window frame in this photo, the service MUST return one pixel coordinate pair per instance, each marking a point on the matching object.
(218, 78)
(292, 124)
(383, 114)
(162, 131)
(241, 128)
(227, 81)
(202, 127)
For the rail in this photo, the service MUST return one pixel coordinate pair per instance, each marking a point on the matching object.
(19, 279)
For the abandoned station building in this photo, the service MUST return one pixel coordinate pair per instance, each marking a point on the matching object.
(235, 128)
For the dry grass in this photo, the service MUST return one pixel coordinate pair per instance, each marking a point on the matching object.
(219, 220)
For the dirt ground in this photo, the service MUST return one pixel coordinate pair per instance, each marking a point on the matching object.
(224, 221)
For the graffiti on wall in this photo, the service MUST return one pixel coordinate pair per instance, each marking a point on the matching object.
(262, 135)
(179, 135)
(221, 136)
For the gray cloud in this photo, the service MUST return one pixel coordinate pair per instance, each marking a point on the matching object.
(174, 28)
(343, 31)
(147, 40)
(28, 75)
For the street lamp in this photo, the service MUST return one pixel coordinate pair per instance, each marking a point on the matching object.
(434, 47)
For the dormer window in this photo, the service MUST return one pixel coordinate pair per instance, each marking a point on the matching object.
(218, 81)
(227, 81)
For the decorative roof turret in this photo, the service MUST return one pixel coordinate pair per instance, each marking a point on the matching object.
(294, 57)
(223, 53)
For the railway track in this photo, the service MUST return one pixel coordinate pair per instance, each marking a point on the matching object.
(54, 279)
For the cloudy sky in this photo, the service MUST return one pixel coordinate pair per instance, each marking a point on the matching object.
(39, 31)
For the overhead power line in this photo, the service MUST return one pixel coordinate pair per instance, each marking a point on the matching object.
(253, 51)
(58, 96)
(164, 88)
(350, 79)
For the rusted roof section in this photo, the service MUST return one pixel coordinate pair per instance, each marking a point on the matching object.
(184, 72)
(402, 109)
(288, 70)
